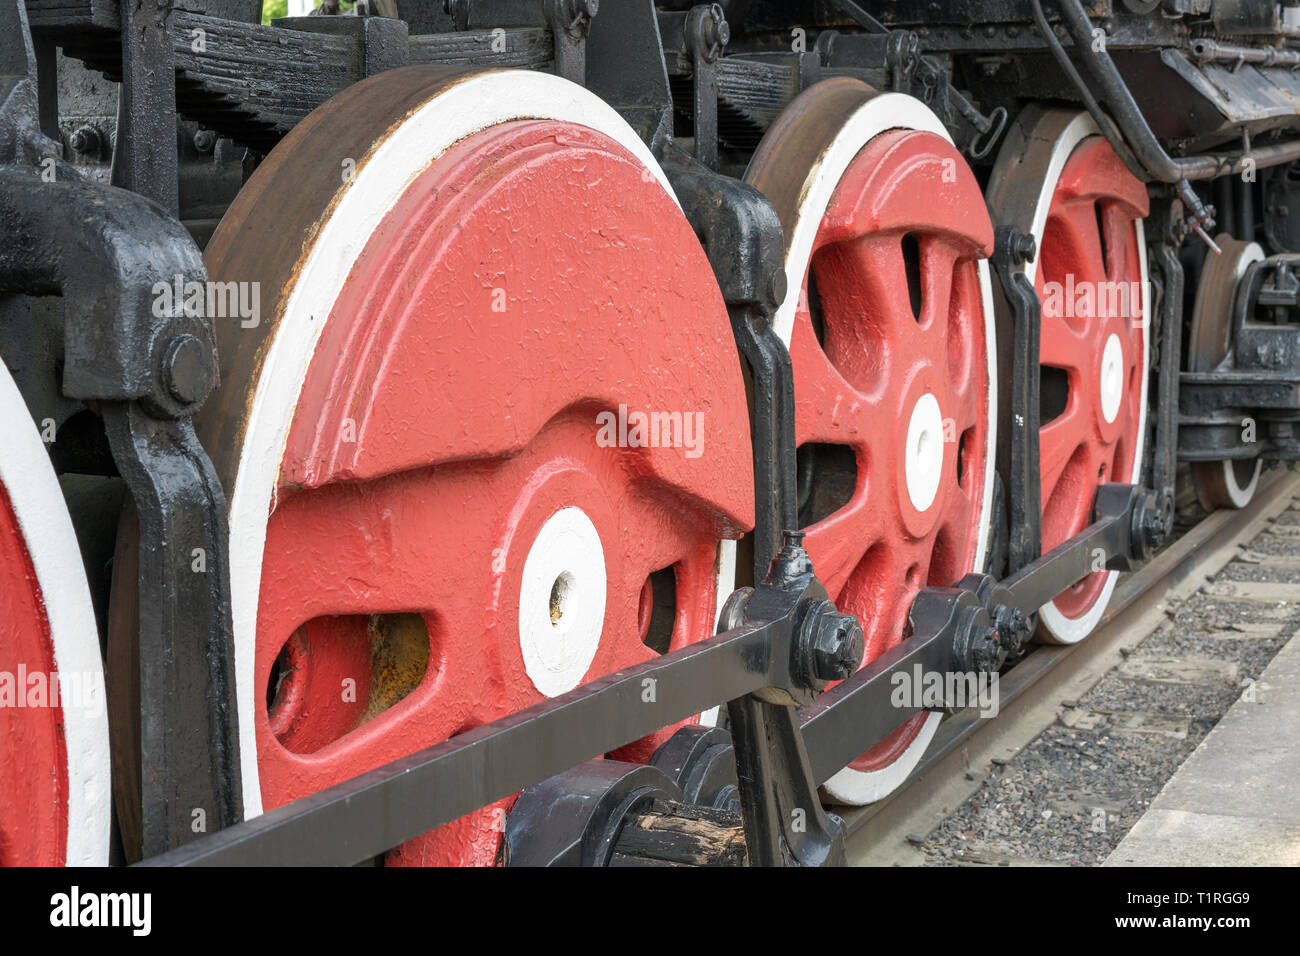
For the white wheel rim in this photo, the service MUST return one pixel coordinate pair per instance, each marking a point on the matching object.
(42, 515)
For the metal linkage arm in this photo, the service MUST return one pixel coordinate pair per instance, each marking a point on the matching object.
(833, 726)
(363, 817)
(146, 374)
(1011, 251)
(1129, 522)
(970, 629)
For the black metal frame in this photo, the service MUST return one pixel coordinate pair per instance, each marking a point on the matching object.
(145, 376)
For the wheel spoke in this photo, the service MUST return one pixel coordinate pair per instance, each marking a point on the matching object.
(1072, 246)
(1062, 345)
(939, 258)
(1058, 441)
(868, 315)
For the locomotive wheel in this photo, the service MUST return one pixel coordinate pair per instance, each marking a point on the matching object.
(1232, 483)
(54, 759)
(889, 324)
(1057, 178)
(443, 506)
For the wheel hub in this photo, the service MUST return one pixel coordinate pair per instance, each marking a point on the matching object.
(562, 602)
(924, 455)
(1111, 380)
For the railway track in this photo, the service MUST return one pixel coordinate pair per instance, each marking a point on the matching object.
(892, 831)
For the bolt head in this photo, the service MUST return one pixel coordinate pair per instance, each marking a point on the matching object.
(187, 369)
(838, 646)
(777, 286)
(1024, 247)
(984, 647)
(84, 139)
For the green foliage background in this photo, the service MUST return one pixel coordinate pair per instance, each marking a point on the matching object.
(280, 8)
(274, 8)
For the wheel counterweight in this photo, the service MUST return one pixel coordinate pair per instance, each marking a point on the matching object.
(489, 440)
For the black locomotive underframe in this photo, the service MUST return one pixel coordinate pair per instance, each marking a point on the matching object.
(146, 376)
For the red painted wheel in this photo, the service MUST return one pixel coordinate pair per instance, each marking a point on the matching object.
(890, 333)
(1059, 179)
(54, 761)
(484, 443)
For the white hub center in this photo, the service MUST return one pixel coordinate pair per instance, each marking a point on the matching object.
(562, 602)
(923, 457)
(1112, 378)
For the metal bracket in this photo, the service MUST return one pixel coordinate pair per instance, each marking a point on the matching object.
(1010, 253)
(702, 761)
(1164, 253)
(785, 824)
(742, 237)
(145, 159)
(382, 42)
(146, 375)
(570, 21)
(784, 821)
(573, 818)
(706, 35)
(902, 56)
